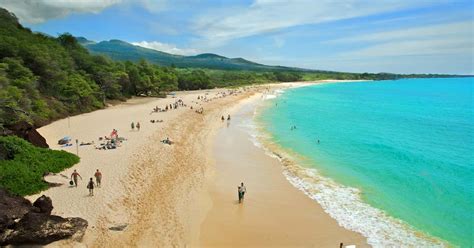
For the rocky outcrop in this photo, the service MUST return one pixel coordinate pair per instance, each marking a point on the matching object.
(27, 132)
(44, 204)
(23, 223)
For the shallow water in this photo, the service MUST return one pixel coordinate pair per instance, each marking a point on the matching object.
(403, 147)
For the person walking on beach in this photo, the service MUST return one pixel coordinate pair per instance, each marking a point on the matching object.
(133, 126)
(241, 191)
(74, 176)
(98, 178)
(90, 186)
(138, 126)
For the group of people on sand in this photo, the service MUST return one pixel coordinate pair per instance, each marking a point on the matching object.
(178, 103)
(110, 142)
(200, 110)
(91, 184)
(133, 126)
(223, 119)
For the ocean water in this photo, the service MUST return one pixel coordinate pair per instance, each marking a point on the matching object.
(394, 159)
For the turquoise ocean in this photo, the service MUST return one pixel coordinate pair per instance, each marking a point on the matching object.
(394, 159)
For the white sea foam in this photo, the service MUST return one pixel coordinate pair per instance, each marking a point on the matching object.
(345, 205)
(272, 95)
(268, 96)
(342, 203)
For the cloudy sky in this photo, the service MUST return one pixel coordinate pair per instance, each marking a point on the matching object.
(401, 36)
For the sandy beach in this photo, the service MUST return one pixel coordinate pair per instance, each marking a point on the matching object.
(184, 194)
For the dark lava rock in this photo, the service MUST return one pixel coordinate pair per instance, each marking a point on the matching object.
(44, 204)
(27, 132)
(38, 228)
(22, 223)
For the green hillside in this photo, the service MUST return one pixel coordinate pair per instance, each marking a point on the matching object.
(121, 50)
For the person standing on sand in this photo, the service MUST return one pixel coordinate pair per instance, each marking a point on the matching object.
(74, 176)
(90, 186)
(138, 126)
(241, 190)
(98, 178)
(133, 126)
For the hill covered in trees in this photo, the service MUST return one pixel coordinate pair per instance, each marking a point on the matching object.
(121, 50)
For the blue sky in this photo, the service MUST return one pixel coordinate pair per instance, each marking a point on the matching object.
(403, 36)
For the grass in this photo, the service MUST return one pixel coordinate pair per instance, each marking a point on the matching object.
(22, 165)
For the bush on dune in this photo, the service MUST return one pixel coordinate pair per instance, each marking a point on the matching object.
(22, 165)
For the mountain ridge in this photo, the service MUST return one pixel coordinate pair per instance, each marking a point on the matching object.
(122, 50)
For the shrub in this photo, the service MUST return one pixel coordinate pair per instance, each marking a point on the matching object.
(22, 171)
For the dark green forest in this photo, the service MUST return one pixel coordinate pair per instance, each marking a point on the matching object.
(43, 78)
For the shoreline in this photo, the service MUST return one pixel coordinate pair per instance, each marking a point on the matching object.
(147, 185)
(274, 213)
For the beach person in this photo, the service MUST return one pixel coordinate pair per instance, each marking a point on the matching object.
(244, 190)
(239, 193)
(222, 118)
(241, 190)
(133, 126)
(228, 117)
(98, 178)
(90, 186)
(74, 177)
(138, 126)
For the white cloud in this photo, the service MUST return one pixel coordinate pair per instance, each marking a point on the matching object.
(442, 39)
(455, 29)
(37, 11)
(168, 48)
(265, 16)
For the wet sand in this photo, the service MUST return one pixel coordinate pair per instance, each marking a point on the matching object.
(274, 213)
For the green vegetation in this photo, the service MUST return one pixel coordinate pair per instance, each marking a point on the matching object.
(22, 165)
